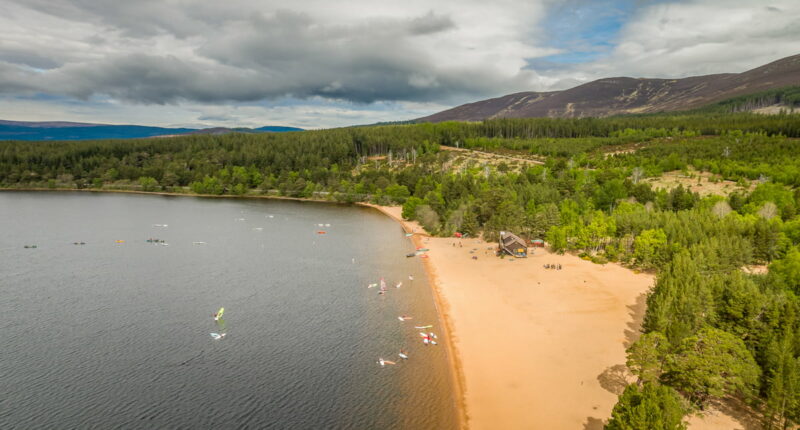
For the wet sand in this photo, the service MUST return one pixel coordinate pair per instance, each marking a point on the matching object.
(533, 348)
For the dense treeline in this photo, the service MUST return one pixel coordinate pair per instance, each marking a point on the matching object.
(711, 330)
(788, 98)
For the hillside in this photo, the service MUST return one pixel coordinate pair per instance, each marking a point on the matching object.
(623, 95)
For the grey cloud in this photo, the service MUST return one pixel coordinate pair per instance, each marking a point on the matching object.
(13, 79)
(430, 23)
(28, 58)
(217, 118)
(285, 54)
(144, 18)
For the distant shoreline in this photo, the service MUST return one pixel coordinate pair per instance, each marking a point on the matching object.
(166, 193)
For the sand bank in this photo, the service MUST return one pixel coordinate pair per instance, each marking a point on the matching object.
(534, 348)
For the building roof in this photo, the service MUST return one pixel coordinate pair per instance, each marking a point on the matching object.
(509, 239)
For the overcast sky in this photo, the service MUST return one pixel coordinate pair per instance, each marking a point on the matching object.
(315, 63)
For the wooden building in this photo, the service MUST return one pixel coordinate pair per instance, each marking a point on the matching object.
(513, 245)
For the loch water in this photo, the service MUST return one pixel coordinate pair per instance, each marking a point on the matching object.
(115, 334)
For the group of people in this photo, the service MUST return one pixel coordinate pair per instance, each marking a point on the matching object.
(553, 266)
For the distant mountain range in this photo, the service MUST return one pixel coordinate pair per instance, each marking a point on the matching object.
(62, 130)
(616, 96)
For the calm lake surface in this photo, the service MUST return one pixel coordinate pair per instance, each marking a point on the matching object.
(116, 335)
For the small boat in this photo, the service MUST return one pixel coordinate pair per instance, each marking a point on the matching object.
(404, 317)
(423, 249)
(409, 234)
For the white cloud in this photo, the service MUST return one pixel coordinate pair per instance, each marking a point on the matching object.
(237, 62)
(673, 40)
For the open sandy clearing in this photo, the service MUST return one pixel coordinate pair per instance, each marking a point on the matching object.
(538, 348)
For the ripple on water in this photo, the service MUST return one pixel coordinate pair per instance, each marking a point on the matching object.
(116, 336)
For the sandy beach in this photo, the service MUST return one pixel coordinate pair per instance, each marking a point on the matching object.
(533, 348)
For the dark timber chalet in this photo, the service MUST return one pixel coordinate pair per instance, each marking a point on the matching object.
(513, 245)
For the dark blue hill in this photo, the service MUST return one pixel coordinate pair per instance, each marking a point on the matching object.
(20, 130)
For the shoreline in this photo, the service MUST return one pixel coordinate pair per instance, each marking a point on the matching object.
(531, 347)
(456, 371)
